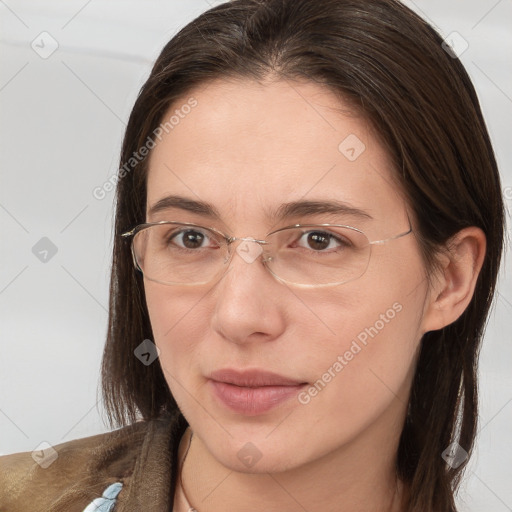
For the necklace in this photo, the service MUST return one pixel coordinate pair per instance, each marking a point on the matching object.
(192, 509)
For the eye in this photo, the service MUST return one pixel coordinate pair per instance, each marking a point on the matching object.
(189, 239)
(320, 241)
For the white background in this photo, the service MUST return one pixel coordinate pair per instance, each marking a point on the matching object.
(62, 122)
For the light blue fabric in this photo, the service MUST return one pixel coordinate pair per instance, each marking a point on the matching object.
(107, 501)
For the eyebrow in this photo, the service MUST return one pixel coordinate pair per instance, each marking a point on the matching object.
(300, 208)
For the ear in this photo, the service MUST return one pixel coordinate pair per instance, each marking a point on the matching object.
(453, 286)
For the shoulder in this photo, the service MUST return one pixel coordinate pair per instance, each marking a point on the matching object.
(68, 475)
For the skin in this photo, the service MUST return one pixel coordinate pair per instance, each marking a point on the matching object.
(245, 148)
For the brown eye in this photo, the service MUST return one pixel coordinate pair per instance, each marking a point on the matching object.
(189, 239)
(192, 239)
(319, 241)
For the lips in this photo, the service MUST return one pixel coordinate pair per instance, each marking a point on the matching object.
(252, 392)
(252, 378)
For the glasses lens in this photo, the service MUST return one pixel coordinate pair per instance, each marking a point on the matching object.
(319, 255)
(178, 253)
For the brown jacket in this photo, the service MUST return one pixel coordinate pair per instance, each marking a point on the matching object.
(143, 457)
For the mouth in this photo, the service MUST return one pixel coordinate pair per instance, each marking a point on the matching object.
(252, 392)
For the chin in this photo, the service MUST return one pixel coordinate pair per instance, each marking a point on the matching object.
(258, 457)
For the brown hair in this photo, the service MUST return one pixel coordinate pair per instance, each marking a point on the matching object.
(389, 64)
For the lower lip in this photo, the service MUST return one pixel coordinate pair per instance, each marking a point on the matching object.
(253, 401)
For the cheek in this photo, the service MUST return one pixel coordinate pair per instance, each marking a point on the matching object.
(367, 360)
(362, 376)
(178, 322)
(382, 333)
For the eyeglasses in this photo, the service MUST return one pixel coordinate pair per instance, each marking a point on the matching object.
(307, 255)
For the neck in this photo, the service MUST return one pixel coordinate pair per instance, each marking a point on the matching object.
(358, 476)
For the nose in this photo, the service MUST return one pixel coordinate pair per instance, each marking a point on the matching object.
(248, 300)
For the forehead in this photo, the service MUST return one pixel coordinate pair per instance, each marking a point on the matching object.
(248, 147)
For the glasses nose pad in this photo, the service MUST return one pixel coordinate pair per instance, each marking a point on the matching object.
(266, 258)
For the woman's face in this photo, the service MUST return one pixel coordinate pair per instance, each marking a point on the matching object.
(246, 149)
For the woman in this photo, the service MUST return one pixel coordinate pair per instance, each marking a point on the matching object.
(309, 227)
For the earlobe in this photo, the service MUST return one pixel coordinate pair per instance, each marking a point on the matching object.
(453, 287)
